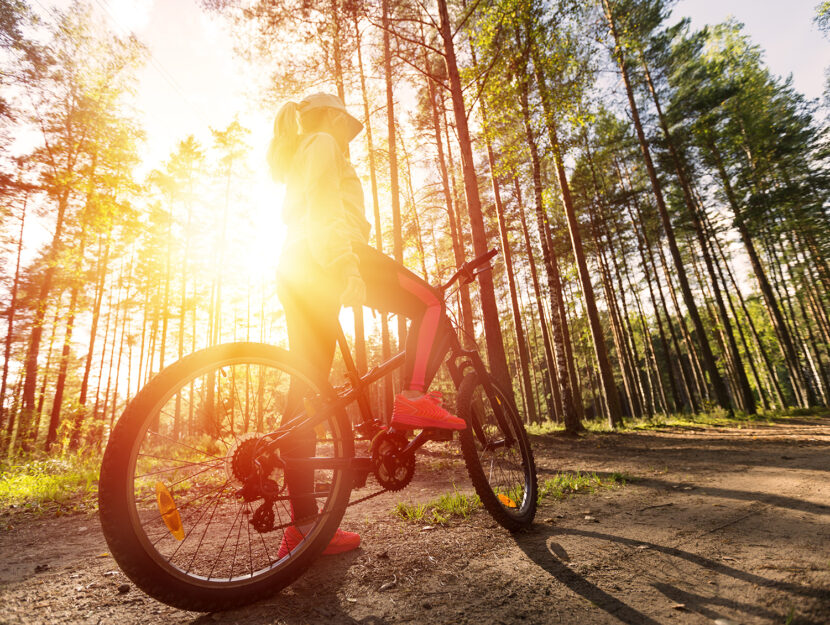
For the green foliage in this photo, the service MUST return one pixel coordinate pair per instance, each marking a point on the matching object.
(564, 484)
(823, 16)
(439, 511)
(716, 417)
(65, 483)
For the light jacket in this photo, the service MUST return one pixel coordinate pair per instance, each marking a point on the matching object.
(323, 209)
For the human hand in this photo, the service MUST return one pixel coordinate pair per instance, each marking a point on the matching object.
(354, 295)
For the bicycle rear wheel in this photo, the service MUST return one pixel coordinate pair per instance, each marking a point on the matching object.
(180, 511)
(497, 452)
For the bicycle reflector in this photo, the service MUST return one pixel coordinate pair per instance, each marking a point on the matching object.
(169, 511)
(506, 500)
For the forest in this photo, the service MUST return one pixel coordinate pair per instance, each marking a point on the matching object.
(659, 197)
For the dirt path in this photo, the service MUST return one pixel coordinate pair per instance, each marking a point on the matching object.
(719, 526)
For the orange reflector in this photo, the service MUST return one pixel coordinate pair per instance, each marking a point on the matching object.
(506, 500)
(169, 512)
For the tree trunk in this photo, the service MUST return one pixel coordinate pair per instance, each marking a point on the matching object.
(30, 365)
(747, 399)
(467, 338)
(770, 302)
(10, 327)
(524, 357)
(554, 400)
(397, 239)
(386, 351)
(57, 401)
(708, 359)
(492, 324)
(572, 422)
(600, 352)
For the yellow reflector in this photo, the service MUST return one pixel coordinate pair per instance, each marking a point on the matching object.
(506, 500)
(169, 512)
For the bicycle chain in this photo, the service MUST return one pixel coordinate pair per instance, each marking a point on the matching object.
(368, 497)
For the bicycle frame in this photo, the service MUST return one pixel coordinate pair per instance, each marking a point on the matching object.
(458, 361)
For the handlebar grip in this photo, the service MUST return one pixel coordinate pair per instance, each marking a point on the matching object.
(483, 258)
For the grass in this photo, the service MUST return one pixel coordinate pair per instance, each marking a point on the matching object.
(713, 418)
(563, 484)
(455, 505)
(439, 511)
(50, 484)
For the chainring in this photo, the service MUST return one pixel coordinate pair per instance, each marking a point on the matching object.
(240, 465)
(393, 469)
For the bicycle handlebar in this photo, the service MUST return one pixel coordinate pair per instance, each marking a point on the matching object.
(469, 270)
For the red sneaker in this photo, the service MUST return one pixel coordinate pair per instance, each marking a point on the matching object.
(341, 542)
(424, 412)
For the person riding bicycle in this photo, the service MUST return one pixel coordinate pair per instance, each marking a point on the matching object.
(325, 263)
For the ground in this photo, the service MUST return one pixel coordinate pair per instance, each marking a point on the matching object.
(713, 525)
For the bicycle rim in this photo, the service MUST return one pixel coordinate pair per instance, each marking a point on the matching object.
(497, 453)
(189, 442)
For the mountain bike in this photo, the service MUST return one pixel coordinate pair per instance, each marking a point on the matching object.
(192, 492)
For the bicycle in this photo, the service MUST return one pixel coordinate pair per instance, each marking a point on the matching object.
(192, 491)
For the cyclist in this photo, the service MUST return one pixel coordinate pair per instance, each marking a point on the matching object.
(325, 263)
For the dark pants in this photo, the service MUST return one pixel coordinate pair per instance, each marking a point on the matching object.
(311, 301)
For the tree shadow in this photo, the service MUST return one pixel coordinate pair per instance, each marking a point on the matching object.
(552, 557)
(701, 604)
(779, 501)
(311, 599)
(696, 450)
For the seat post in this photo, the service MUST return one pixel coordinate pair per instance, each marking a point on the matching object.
(354, 376)
(351, 368)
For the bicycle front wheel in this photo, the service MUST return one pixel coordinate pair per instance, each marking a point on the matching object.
(497, 452)
(180, 510)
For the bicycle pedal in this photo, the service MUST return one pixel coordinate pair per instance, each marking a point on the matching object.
(439, 434)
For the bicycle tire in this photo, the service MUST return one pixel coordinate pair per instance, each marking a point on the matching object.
(142, 440)
(497, 452)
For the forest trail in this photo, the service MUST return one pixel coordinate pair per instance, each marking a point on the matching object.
(717, 525)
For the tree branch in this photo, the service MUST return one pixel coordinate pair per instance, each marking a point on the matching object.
(407, 39)
(464, 19)
(432, 77)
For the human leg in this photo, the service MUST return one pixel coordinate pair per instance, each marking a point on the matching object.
(312, 336)
(390, 287)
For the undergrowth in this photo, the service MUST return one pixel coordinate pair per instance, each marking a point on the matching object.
(563, 484)
(439, 511)
(60, 484)
(716, 417)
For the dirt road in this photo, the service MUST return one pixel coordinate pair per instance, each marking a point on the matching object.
(717, 526)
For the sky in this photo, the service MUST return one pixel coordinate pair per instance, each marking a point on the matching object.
(194, 80)
(785, 30)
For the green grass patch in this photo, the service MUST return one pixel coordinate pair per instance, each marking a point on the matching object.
(59, 484)
(564, 484)
(439, 511)
(713, 418)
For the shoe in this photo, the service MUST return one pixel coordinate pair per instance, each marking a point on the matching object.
(341, 542)
(424, 412)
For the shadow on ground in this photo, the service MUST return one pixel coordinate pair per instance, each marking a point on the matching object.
(311, 599)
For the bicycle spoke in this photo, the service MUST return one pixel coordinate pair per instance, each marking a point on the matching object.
(212, 464)
(195, 443)
(175, 442)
